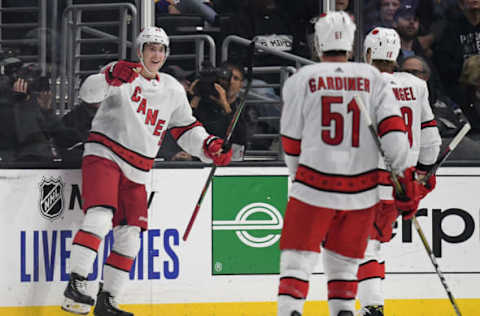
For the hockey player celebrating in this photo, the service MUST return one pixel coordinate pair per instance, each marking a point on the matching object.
(138, 105)
(382, 46)
(333, 160)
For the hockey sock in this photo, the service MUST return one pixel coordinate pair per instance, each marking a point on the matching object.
(119, 262)
(341, 274)
(371, 273)
(96, 224)
(295, 270)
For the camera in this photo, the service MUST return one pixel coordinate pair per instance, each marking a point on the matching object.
(32, 74)
(208, 77)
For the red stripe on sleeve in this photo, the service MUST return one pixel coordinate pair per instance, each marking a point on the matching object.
(371, 269)
(293, 287)
(291, 146)
(431, 123)
(179, 131)
(391, 124)
(88, 240)
(119, 261)
(344, 290)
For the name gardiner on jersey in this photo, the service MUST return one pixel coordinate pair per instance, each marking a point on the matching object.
(404, 94)
(150, 115)
(339, 83)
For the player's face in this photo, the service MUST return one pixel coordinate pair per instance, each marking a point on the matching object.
(153, 56)
(472, 4)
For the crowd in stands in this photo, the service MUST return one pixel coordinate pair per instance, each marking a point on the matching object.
(440, 43)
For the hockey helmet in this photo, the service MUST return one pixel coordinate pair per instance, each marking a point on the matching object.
(384, 44)
(334, 31)
(152, 34)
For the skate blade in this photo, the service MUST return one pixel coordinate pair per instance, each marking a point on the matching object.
(71, 306)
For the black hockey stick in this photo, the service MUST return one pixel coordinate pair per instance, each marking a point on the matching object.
(448, 150)
(399, 189)
(226, 140)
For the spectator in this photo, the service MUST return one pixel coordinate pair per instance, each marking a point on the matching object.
(407, 24)
(215, 109)
(445, 111)
(166, 7)
(380, 13)
(470, 80)
(459, 41)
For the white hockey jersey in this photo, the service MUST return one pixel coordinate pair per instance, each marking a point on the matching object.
(411, 94)
(329, 149)
(131, 122)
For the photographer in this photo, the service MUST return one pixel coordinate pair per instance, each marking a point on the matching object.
(35, 131)
(215, 100)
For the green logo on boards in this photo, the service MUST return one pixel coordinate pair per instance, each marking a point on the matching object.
(247, 219)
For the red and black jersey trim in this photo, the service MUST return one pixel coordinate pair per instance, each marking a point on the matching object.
(178, 131)
(389, 124)
(338, 183)
(293, 287)
(431, 123)
(87, 239)
(372, 269)
(120, 262)
(135, 159)
(291, 146)
(342, 289)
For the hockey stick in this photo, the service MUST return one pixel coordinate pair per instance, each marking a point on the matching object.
(453, 143)
(226, 140)
(399, 189)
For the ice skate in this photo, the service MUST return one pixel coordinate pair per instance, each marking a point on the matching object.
(295, 313)
(76, 298)
(106, 306)
(374, 310)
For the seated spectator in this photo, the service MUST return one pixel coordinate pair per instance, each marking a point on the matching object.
(166, 7)
(458, 42)
(470, 80)
(214, 106)
(445, 111)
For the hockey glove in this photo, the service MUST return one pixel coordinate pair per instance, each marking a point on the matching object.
(407, 202)
(213, 148)
(427, 185)
(121, 72)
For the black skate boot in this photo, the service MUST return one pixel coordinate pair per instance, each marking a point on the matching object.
(372, 310)
(76, 298)
(295, 313)
(106, 306)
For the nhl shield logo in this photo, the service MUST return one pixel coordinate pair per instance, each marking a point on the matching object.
(51, 198)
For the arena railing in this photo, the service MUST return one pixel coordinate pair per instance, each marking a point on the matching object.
(73, 29)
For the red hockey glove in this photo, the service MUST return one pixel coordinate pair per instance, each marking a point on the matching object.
(212, 146)
(407, 203)
(121, 72)
(429, 184)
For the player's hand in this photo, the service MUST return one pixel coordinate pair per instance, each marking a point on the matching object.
(213, 148)
(122, 72)
(427, 185)
(407, 201)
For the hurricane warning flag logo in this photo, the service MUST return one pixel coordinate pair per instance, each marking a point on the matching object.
(51, 198)
(242, 224)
